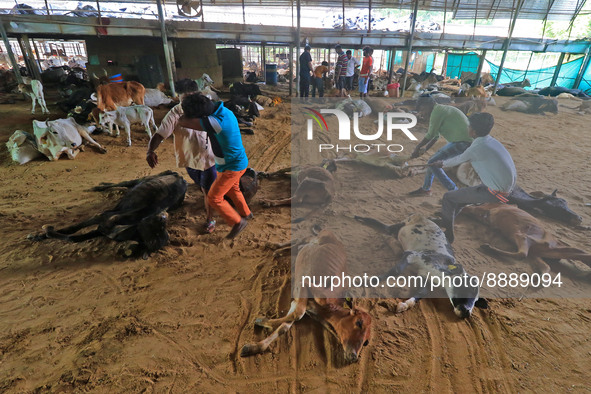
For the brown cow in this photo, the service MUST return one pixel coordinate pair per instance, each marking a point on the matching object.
(323, 255)
(527, 233)
(119, 94)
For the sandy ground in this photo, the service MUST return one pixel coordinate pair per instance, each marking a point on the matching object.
(74, 317)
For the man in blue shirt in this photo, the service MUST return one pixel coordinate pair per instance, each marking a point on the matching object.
(221, 126)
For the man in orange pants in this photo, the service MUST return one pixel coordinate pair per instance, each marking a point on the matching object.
(221, 126)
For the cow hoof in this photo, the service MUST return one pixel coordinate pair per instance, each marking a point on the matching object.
(250, 349)
(262, 322)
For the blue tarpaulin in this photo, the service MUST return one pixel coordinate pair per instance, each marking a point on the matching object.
(458, 62)
(540, 78)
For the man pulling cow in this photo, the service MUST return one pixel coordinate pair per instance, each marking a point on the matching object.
(191, 148)
(452, 124)
(493, 164)
(221, 126)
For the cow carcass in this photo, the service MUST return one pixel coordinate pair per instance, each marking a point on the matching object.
(60, 136)
(119, 94)
(125, 116)
(531, 105)
(545, 204)
(154, 98)
(22, 147)
(139, 218)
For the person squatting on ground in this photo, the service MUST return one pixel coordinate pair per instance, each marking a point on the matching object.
(318, 80)
(365, 72)
(305, 71)
(340, 70)
(493, 164)
(200, 113)
(351, 65)
(452, 124)
(191, 148)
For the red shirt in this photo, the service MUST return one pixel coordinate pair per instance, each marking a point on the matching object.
(367, 65)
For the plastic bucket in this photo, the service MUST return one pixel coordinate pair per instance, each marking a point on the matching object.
(271, 74)
(393, 90)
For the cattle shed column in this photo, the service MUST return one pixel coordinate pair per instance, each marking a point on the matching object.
(506, 45)
(13, 61)
(413, 22)
(167, 50)
(32, 61)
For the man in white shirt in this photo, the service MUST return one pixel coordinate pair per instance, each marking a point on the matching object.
(491, 161)
(351, 65)
(191, 147)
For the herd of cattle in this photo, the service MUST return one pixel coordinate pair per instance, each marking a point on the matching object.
(106, 107)
(535, 101)
(140, 218)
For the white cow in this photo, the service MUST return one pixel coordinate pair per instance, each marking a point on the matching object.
(35, 92)
(154, 98)
(125, 116)
(62, 136)
(205, 86)
(22, 147)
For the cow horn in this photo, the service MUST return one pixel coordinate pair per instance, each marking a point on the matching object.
(94, 76)
(105, 72)
(554, 193)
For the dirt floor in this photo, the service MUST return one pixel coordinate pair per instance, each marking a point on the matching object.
(75, 317)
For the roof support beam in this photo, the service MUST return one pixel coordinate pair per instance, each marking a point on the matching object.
(480, 64)
(507, 43)
(413, 22)
(391, 65)
(13, 61)
(299, 42)
(30, 58)
(167, 49)
(557, 71)
(369, 18)
(583, 69)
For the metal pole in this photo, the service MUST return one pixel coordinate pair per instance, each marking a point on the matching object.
(413, 22)
(298, 38)
(528, 63)
(480, 64)
(557, 71)
(369, 18)
(343, 14)
(31, 58)
(583, 68)
(444, 66)
(166, 48)
(290, 69)
(506, 45)
(264, 60)
(391, 68)
(13, 61)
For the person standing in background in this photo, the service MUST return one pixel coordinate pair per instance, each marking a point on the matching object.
(318, 80)
(305, 71)
(351, 65)
(340, 70)
(366, 70)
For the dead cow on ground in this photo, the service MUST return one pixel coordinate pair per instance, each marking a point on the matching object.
(546, 204)
(315, 186)
(531, 105)
(428, 253)
(140, 216)
(323, 255)
(527, 233)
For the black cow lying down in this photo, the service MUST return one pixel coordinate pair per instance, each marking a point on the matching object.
(140, 216)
